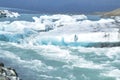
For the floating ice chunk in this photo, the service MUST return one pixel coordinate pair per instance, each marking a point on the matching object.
(106, 20)
(117, 18)
(6, 13)
(80, 17)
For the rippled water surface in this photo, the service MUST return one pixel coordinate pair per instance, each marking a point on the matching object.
(62, 63)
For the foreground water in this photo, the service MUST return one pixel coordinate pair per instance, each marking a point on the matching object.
(39, 48)
(62, 63)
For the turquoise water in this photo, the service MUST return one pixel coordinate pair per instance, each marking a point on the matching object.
(61, 63)
(54, 62)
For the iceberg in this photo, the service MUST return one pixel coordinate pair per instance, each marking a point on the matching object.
(66, 30)
(6, 13)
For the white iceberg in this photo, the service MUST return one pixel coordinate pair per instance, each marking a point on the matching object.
(6, 13)
(60, 30)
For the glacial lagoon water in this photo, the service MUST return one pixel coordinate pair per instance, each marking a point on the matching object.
(35, 45)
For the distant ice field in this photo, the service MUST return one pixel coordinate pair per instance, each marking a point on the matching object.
(61, 29)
